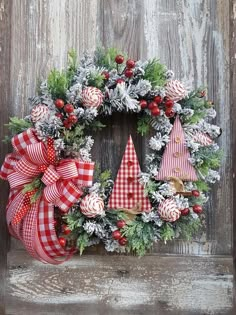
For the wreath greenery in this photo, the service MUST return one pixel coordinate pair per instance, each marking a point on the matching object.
(70, 104)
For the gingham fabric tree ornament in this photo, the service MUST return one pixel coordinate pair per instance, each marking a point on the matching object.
(175, 161)
(128, 193)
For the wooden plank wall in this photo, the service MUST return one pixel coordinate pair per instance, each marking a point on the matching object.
(233, 115)
(192, 38)
(5, 9)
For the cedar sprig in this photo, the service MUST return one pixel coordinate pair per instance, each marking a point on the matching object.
(155, 72)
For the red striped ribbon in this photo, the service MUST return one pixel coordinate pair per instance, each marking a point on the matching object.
(32, 223)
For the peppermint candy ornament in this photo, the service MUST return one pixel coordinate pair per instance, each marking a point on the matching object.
(92, 205)
(168, 210)
(175, 90)
(39, 112)
(92, 97)
(202, 138)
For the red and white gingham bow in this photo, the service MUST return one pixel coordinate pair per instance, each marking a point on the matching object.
(62, 179)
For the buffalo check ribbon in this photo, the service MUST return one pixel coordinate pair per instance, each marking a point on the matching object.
(32, 222)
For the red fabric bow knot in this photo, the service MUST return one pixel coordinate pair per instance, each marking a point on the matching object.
(62, 181)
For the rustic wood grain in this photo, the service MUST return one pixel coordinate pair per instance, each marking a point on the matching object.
(233, 115)
(5, 9)
(42, 33)
(121, 285)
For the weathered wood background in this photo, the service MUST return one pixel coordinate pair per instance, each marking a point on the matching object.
(194, 39)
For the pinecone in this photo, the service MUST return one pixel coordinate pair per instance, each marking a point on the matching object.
(168, 210)
(202, 138)
(92, 97)
(39, 112)
(92, 205)
(175, 90)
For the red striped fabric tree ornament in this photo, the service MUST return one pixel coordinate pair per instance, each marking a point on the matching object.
(175, 161)
(128, 193)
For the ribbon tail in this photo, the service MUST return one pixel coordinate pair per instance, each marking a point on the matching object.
(50, 249)
(29, 232)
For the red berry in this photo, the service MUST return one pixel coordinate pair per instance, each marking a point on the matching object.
(69, 108)
(169, 112)
(120, 224)
(129, 73)
(158, 99)
(155, 111)
(143, 104)
(73, 119)
(130, 63)
(119, 59)
(106, 75)
(169, 104)
(59, 115)
(120, 81)
(197, 209)
(116, 235)
(59, 103)
(67, 124)
(152, 105)
(185, 211)
(62, 241)
(66, 230)
(195, 193)
(55, 221)
(123, 241)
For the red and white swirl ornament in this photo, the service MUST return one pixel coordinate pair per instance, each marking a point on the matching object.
(175, 90)
(39, 112)
(92, 205)
(92, 97)
(168, 210)
(202, 138)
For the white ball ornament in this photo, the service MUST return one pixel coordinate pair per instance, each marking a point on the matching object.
(92, 97)
(175, 90)
(39, 112)
(168, 210)
(92, 205)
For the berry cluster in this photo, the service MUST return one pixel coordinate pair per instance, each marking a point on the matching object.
(117, 235)
(66, 113)
(196, 208)
(130, 64)
(155, 104)
(62, 229)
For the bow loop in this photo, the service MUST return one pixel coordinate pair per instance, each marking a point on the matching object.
(85, 173)
(68, 169)
(27, 168)
(17, 180)
(50, 175)
(22, 140)
(36, 153)
(8, 165)
(52, 192)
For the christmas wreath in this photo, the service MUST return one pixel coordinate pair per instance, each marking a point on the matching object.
(61, 202)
